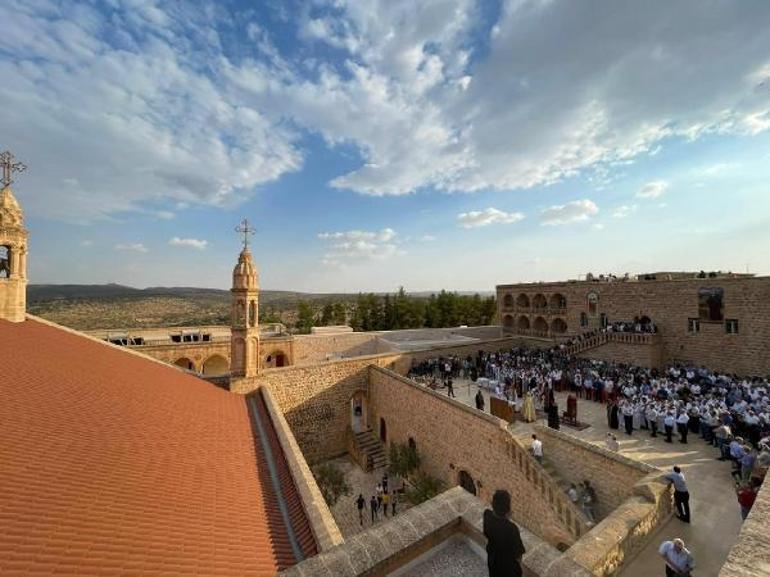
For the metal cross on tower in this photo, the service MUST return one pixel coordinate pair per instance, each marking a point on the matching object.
(9, 167)
(246, 230)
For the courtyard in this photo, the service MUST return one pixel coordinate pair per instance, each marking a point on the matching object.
(715, 511)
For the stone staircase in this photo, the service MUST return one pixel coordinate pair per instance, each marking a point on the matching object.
(551, 471)
(369, 451)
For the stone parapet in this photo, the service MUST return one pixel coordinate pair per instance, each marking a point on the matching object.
(322, 523)
(750, 556)
(385, 548)
(633, 498)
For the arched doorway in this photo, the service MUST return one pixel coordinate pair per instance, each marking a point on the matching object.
(185, 363)
(383, 431)
(541, 325)
(276, 359)
(523, 323)
(508, 301)
(465, 480)
(359, 412)
(522, 301)
(508, 321)
(216, 366)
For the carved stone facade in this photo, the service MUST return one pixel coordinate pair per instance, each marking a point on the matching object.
(718, 321)
(13, 259)
(244, 341)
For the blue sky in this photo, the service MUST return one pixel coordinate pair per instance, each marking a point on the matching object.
(440, 144)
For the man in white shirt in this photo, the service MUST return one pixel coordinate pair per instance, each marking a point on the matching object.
(679, 561)
(537, 448)
(681, 423)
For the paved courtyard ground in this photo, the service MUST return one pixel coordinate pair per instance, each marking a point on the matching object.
(716, 517)
(345, 511)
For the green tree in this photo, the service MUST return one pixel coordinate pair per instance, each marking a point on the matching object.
(327, 314)
(305, 317)
(404, 460)
(331, 481)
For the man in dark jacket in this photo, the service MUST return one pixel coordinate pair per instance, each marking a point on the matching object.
(504, 546)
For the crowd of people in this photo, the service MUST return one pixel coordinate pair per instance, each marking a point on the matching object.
(382, 504)
(731, 413)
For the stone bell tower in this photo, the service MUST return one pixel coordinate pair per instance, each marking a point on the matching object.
(13, 246)
(244, 326)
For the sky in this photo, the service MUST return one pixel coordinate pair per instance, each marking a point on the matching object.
(383, 143)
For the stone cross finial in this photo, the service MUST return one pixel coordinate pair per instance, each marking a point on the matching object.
(9, 167)
(246, 231)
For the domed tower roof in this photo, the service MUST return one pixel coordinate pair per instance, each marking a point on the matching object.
(245, 274)
(11, 215)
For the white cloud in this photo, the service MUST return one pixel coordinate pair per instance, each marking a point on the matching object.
(427, 238)
(478, 218)
(654, 189)
(189, 243)
(358, 246)
(165, 113)
(86, 243)
(575, 211)
(403, 97)
(143, 92)
(131, 247)
(598, 226)
(624, 211)
(384, 235)
(165, 215)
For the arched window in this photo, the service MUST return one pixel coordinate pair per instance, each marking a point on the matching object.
(593, 303)
(508, 301)
(523, 322)
(559, 326)
(540, 302)
(5, 261)
(508, 321)
(522, 301)
(558, 301)
(253, 314)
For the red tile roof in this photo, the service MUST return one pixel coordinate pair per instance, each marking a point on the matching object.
(112, 464)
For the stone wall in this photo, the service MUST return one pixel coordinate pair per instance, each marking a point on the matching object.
(315, 400)
(322, 523)
(612, 475)
(669, 303)
(750, 556)
(309, 349)
(641, 350)
(462, 351)
(633, 500)
(384, 549)
(442, 427)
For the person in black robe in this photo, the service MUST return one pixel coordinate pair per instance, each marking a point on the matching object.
(612, 416)
(504, 546)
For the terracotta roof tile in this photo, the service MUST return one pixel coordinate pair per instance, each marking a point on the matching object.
(116, 465)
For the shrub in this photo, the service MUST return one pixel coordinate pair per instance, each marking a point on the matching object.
(331, 481)
(424, 488)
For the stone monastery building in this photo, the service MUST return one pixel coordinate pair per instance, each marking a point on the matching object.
(121, 460)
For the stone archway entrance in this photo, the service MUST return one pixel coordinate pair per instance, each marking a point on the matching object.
(359, 412)
(185, 363)
(465, 480)
(216, 366)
